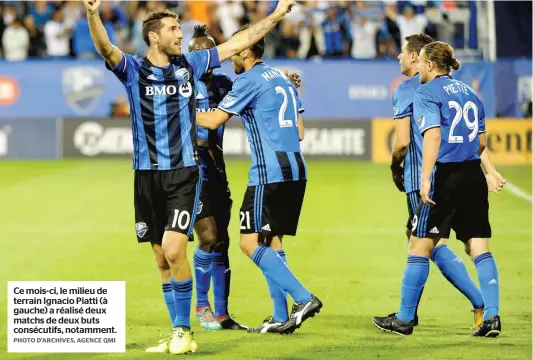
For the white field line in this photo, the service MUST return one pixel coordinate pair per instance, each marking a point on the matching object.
(515, 190)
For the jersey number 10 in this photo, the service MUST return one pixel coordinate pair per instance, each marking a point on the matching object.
(282, 121)
(462, 113)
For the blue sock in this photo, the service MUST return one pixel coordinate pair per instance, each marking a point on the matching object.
(275, 270)
(455, 272)
(169, 300)
(488, 280)
(221, 274)
(279, 297)
(415, 276)
(182, 302)
(202, 272)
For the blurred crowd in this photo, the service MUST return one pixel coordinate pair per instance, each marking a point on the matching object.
(357, 29)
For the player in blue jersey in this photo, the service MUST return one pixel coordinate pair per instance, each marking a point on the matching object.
(453, 189)
(407, 149)
(270, 109)
(161, 89)
(211, 256)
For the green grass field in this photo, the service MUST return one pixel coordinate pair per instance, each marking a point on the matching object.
(73, 220)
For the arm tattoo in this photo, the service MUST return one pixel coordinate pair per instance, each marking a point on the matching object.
(256, 31)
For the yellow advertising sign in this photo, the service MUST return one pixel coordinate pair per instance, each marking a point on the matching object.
(509, 140)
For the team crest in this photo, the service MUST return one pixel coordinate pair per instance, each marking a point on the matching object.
(182, 74)
(82, 88)
(141, 229)
(421, 121)
(228, 101)
(186, 90)
(395, 110)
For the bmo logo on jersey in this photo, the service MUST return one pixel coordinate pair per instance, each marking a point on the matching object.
(185, 90)
(160, 90)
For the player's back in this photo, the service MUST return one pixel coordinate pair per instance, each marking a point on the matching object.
(462, 117)
(271, 122)
(403, 99)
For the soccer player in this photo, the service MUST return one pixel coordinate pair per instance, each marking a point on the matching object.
(408, 149)
(211, 256)
(270, 109)
(451, 118)
(161, 88)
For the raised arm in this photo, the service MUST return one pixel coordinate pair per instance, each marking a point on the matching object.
(103, 45)
(253, 34)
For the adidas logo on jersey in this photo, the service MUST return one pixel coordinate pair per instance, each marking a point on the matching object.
(492, 282)
(266, 227)
(434, 230)
(200, 96)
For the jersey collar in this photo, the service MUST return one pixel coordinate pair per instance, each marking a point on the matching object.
(444, 76)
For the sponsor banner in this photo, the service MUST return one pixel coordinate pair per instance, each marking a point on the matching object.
(336, 90)
(508, 139)
(323, 138)
(29, 139)
(113, 138)
(97, 138)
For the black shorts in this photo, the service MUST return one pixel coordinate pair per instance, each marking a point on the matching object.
(215, 200)
(165, 201)
(413, 200)
(460, 193)
(272, 209)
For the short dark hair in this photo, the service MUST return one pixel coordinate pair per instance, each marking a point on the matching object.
(416, 42)
(200, 31)
(153, 22)
(258, 49)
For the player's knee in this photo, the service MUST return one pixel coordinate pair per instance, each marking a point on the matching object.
(174, 248)
(420, 247)
(248, 244)
(207, 240)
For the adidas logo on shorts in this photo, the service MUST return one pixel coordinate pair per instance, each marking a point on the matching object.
(266, 227)
(434, 230)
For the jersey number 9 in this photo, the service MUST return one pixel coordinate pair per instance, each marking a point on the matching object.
(282, 110)
(463, 113)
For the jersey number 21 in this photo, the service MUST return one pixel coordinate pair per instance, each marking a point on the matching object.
(283, 122)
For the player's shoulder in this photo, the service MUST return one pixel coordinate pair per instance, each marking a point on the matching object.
(404, 89)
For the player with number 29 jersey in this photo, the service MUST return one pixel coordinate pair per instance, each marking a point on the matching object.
(455, 108)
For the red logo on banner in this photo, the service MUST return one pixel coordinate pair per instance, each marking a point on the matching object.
(9, 91)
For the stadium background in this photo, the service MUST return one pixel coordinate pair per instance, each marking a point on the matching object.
(73, 219)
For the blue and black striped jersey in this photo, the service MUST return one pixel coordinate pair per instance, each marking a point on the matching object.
(163, 107)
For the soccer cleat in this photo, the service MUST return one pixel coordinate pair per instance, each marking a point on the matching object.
(478, 318)
(182, 342)
(268, 326)
(392, 324)
(489, 328)
(207, 319)
(162, 347)
(229, 323)
(415, 321)
(301, 312)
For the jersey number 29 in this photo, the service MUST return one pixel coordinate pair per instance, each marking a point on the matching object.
(462, 113)
(282, 121)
